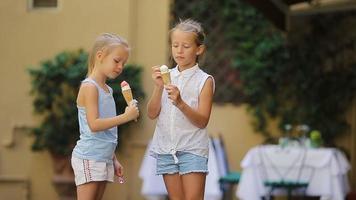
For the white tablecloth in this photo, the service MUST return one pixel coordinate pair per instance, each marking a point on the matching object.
(325, 170)
(153, 186)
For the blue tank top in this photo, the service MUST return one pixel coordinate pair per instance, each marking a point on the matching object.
(99, 146)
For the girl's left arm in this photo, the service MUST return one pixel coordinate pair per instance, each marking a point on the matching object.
(199, 117)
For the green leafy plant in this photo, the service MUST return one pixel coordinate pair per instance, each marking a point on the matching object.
(55, 84)
(309, 77)
(305, 76)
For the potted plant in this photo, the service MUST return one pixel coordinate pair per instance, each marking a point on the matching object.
(54, 86)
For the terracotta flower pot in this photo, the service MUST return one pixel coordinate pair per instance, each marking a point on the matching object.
(63, 179)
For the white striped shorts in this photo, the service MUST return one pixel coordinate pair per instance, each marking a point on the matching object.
(86, 171)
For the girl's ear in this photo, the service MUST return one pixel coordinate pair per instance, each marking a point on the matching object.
(200, 50)
(99, 55)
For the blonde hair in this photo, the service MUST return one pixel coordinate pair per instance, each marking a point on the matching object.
(105, 42)
(191, 26)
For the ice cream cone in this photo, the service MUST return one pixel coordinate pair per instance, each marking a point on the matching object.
(166, 75)
(166, 78)
(127, 93)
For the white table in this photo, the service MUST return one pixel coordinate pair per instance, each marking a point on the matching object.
(325, 170)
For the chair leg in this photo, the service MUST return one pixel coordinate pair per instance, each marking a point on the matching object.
(269, 195)
(289, 194)
(304, 193)
(228, 192)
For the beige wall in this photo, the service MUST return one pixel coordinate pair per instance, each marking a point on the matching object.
(27, 37)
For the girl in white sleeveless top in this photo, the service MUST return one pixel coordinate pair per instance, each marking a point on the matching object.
(180, 142)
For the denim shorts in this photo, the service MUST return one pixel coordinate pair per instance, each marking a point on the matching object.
(187, 163)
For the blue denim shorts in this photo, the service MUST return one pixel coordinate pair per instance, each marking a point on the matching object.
(187, 163)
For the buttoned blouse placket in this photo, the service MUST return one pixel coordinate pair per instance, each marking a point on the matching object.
(181, 85)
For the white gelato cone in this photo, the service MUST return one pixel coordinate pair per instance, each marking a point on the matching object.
(166, 75)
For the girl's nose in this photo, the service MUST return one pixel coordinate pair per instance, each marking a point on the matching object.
(180, 49)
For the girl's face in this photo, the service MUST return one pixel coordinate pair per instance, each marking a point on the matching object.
(184, 48)
(113, 63)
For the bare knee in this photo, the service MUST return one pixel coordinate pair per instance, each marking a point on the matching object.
(176, 197)
(194, 197)
(194, 193)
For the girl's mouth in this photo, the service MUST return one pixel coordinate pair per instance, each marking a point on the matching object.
(179, 57)
(117, 72)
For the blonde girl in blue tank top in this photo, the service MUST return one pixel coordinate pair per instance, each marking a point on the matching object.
(180, 142)
(93, 158)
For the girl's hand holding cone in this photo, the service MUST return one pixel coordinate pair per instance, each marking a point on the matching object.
(157, 76)
(174, 94)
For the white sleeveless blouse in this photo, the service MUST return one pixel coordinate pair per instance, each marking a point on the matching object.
(174, 132)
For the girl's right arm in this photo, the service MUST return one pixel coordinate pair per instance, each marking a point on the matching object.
(90, 100)
(154, 104)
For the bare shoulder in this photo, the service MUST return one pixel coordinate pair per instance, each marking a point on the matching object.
(86, 90)
(209, 81)
(207, 91)
(88, 87)
(209, 84)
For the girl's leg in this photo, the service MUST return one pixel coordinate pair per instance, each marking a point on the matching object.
(174, 187)
(100, 193)
(88, 191)
(194, 186)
